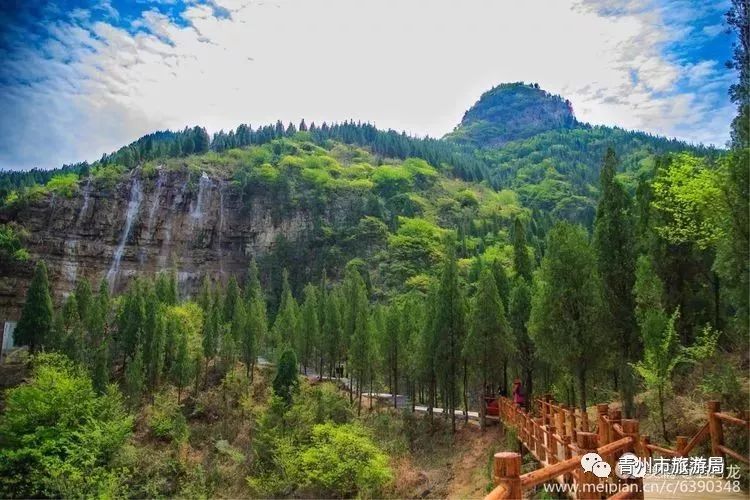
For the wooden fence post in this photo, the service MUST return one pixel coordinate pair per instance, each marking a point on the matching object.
(630, 429)
(507, 471)
(614, 418)
(602, 411)
(584, 421)
(551, 445)
(539, 440)
(646, 450)
(681, 443)
(714, 427)
(572, 424)
(587, 443)
(567, 453)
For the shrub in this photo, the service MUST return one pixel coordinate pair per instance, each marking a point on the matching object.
(64, 184)
(57, 436)
(107, 176)
(165, 419)
(343, 461)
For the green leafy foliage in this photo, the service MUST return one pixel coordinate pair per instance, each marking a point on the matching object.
(343, 460)
(58, 435)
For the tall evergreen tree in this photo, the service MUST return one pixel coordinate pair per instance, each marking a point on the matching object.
(184, 367)
(488, 340)
(135, 377)
(286, 325)
(286, 382)
(450, 331)
(392, 348)
(211, 332)
(566, 306)
(521, 260)
(35, 326)
(84, 297)
(332, 338)
(231, 299)
(519, 310)
(502, 282)
(309, 326)
(614, 242)
(360, 343)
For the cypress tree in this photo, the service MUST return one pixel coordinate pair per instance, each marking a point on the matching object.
(183, 369)
(84, 297)
(614, 242)
(450, 331)
(521, 260)
(519, 310)
(135, 377)
(309, 326)
(332, 328)
(35, 326)
(488, 339)
(501, 282)
(285, 382)
(231, 299)
(566, 306)
(210, 339)
(287, 322)
(100, 376)
(204, 296)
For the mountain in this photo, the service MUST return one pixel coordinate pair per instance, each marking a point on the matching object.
(512, 111)
(289, 203)
(312, 198)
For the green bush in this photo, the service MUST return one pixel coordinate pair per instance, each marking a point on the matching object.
(64, 184)
(343, 461)
(165, 419)
(57, 436)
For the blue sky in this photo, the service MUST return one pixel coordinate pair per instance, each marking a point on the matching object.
(81, 78)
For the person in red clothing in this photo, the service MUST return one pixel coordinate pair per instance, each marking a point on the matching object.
(519, 398)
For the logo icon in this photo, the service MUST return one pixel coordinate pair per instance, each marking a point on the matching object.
(629, 466)
(589, 460)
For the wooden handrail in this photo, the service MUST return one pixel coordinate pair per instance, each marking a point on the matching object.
(499, 492)
(539, 476)
(558, 438)
(663, 451)
(699, 437)
(734, 454)
(732, 420)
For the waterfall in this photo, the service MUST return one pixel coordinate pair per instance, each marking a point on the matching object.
(221, 229)
(155, 204)
(136, 195)
(203, 184)
(167, 241)
(85, 205)
(70, 264)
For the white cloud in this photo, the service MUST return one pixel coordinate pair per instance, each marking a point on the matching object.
(405, 65)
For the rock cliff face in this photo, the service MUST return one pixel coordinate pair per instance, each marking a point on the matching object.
(142, 225)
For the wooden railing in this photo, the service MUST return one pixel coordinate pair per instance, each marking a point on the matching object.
(560, 436)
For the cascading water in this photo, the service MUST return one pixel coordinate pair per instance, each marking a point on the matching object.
(136, 196)
(85, 205)
(155, 204)
(167, 241)
(221, 229)
(70, 262)
(203, 184)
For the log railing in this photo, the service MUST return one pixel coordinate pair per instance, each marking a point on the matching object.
(560, 436)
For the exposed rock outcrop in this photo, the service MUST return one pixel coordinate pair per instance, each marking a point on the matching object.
(143, 225)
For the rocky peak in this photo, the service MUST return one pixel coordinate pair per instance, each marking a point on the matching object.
(512, 111)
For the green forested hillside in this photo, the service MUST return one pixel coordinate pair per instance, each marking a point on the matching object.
(591, 263)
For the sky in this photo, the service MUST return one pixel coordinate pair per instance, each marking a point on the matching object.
(82, 78)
